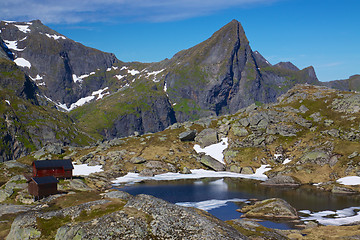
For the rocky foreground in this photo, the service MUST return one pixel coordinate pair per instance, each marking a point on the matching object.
(310, 136)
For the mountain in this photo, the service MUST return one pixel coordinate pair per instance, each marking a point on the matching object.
(108, 98)
(350, 84)
(55, 63)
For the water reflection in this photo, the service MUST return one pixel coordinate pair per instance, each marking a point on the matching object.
(195, 191)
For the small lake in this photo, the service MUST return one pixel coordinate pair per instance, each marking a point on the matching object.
(222, 196)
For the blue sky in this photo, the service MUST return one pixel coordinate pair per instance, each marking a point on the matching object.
(321, 33)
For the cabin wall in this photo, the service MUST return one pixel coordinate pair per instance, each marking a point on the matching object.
(56, 172)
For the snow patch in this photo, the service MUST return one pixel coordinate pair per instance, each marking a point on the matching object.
(349, 180)
(37, 78)
(8, 102)
(337, 218)
(214, 150)
(133, 72)
(210, 204)
(119, 77)
(81, 78)
(22, 62)
(100, 93)
(131, 178)
(54, 36)
(165, 87)
(13, 45)
(123, 68)
(85, 170)
(286, 161)
(24, 28)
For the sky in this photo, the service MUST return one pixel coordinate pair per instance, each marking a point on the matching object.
(320, 33)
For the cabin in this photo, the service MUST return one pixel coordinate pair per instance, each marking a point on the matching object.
(42, 186)
(55, 168)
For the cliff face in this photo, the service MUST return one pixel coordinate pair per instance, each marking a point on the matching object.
(53, 61)
(223, 74)
(25, 125)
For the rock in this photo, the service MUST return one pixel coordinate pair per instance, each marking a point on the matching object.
(234, 168)
(333, 160)
(318, 157)
(334, 133)
(328, 122)
(212, 163)
(256, 230)
(244, 122)
(282, 180)
(247, 170)
(207, 137)
(239, 131)
(11, 209)
(137, 160)
(303, 109)
(342, 190)
(187, 136)
(274, 208)
(78, 184)
(354, 154)
(118, 194)
(54, 148)
(146, 173)
(186, 171)
(316, 117)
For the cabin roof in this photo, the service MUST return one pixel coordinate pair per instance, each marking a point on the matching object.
(67, 164)
(44, 180)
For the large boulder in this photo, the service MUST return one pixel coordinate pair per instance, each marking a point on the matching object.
(212, 163)
(187, 135)
(207, 137)
(274, 208)
(282, 181)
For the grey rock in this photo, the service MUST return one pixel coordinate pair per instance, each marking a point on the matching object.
(146, 173)
(186, 171)
(247, 170)
(334, 133)
(239, 131)
(282, 180)
(207, 137)
(80, 185)
(137, 160)
(328, 122)
(187, 136)
(354, 154)
(274, 208)
(333, 160)
(342, 190)
(118, 194)
(303, 109)
(244, 122)
(316, 117)
(212, 163)
(317, 157)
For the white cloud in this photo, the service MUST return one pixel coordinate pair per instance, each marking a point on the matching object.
(73, 11)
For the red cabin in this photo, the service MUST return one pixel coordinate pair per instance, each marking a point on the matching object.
(56, 168)
(42, 186)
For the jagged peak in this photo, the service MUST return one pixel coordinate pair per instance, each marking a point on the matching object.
(287, 66)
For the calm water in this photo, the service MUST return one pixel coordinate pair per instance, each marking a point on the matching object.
(211, 190)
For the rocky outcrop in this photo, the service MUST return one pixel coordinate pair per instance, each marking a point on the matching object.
(282, 180)
(212, 163)
(274, 208)
(141, 217)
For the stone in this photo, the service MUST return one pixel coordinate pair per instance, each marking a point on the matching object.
(316, 117)
(212, 163)
(334, 132)
(247, 170)
(146, 173)
(207, 137)
(244, 122)
(239, 131)
(342, 190)
(137, 160)
(328, 122)
(318, 157)
(282, 180)
(354, 154)
(187, 135)
(235, 169)
(118, 194)
(186, 171)
(274, 208)
(303, 109)
(333, 160)
(78, 184)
